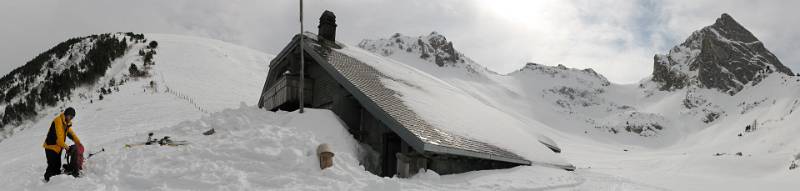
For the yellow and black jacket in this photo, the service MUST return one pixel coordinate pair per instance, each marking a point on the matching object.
(59, 130)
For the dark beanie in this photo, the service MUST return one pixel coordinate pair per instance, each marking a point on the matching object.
(69, 111)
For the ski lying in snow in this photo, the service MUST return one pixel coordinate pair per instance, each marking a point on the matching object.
(169, 142)
(166, 141)
(176, 143)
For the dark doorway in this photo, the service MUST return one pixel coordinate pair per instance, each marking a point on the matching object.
(391, 147)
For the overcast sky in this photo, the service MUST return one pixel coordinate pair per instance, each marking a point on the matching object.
(618, 38)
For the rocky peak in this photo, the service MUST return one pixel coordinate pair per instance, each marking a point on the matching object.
(723, 56)
(433, 47)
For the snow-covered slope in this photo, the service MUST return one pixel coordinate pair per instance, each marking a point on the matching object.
(621, 137)
(53, 75)
(194, 90)
(547, 99)
(640, 131)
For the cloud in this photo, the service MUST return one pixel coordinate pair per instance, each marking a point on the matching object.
(609, 36)
(618, 38)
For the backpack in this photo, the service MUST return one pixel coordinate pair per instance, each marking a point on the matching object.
(74, 158)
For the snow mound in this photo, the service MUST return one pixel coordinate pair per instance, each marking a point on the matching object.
(254, 149)
(251, 150)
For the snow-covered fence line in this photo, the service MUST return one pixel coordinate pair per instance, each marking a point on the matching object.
(182, 96)
(187, 98)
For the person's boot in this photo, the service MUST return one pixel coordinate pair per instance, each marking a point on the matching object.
(48, 175)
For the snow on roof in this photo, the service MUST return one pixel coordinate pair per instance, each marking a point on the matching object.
(444, 118)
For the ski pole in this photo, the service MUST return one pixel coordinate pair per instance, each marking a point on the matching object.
(92, 154)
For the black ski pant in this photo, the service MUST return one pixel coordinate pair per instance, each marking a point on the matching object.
(53, 164)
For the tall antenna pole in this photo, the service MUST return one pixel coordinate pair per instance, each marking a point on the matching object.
(302, 60)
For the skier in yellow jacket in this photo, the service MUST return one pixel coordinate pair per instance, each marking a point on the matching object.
(60, 129)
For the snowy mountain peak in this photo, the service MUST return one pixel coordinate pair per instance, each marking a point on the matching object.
(51, 77)
(433, 48)
(728, 28)
(587, 75)
(723, 56)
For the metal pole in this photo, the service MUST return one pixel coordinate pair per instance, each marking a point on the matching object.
(302, 60)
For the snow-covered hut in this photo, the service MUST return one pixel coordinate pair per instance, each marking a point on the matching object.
(395, 138)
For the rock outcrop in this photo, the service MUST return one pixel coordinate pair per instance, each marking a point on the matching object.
(724, 56)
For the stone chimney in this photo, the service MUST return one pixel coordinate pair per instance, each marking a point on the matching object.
(327, 26)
